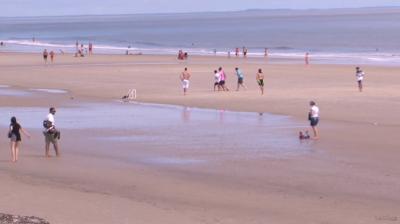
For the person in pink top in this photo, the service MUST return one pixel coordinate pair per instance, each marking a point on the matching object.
(222, 79)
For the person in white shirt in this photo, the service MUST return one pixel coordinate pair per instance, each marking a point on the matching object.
(51, 134)
(313, 117)
(217, 79)
(360, 77)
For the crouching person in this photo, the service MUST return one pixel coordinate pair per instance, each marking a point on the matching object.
(51, 134)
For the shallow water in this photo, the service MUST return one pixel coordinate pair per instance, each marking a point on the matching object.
(5, 91)
(203, 132)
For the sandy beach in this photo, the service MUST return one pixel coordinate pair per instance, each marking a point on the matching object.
(350, 175)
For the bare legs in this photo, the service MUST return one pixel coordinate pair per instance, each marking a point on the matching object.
(242, 85)
(360, 86)
(55, 145)
(14, 151)
(315, 131)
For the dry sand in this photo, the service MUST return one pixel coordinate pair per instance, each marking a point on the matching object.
(352, 175)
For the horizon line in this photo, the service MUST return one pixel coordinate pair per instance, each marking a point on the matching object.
(216, 11)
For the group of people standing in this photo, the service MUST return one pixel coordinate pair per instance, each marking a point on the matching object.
(220, 80)
(46, 54)
(51, 134)
(81, 51)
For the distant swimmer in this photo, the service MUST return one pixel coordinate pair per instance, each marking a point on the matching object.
(240, 77)
(313, 117)
(2, 43)
(45, 55)
(265, 52)
(260, 80)
(237, 52)
(185, 76)
(360, 77)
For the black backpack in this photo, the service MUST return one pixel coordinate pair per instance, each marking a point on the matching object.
(47, 124)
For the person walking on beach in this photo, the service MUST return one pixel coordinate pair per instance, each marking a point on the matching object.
(217, 79)
(45, 55)
(360, 76)
(52, 54)
(51, 134)
(244, 52)
(90, 48)
(313, 117)
(222, 82)
(185, 76)
(240, 77)
(77, 46)
(260, 80)
(14, 134)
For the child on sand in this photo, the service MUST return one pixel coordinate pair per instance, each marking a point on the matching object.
(304, 135)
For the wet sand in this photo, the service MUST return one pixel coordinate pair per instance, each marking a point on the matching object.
(350, 175)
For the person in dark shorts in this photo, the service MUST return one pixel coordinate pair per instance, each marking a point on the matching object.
(240, 76)
(260, 80)
(14, 134)
(45, 55)
(313, 117)
(222, 79)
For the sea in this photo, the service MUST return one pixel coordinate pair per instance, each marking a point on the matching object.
(342, 36)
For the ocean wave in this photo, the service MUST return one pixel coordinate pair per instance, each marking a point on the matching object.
(283, 52)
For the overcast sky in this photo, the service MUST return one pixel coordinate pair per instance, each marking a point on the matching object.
(85, 7)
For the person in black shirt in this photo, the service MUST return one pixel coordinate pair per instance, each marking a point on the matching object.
(15, 138)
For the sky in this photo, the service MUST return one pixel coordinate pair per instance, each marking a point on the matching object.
(10, 8)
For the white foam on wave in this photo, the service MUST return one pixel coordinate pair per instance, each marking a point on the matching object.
(58, 91)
